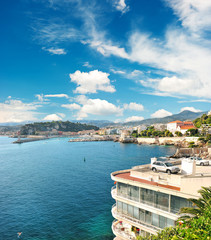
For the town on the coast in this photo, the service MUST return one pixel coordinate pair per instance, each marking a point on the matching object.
(157, 200)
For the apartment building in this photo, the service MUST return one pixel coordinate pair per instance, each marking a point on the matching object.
(147, 201)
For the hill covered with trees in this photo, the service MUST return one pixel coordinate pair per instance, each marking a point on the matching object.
(33, 128)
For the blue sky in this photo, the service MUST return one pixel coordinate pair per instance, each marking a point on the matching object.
(118, 60)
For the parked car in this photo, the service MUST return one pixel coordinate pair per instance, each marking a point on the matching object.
(200, 161)
(164, 167)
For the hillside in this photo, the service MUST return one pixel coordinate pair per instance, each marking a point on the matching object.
(185, 115)
(57, 125)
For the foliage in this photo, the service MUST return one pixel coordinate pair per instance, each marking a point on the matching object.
(178, 133)
(151, 132)
(67, 126)
(204, 119)
(192, 132)
(192, 145)
(195, 224)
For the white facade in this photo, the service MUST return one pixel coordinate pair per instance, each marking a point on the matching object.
(147, 202)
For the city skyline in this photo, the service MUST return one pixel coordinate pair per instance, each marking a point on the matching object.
(118, 60)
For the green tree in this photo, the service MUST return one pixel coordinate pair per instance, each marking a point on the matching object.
(178, 133)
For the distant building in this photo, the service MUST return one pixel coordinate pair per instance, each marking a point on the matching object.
(179, 126)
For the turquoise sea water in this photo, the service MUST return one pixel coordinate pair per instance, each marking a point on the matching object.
(48, 192)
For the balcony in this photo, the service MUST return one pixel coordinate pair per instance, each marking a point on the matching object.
(123, 230)
(133, 221)
(114, 192)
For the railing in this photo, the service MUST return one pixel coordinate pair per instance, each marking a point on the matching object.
(117, 215)
(122, 231)
(113, 191)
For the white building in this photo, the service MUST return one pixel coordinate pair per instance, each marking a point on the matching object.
(179, 126)
(147, 201)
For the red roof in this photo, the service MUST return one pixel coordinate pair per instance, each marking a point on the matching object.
(187, 127)
(126, 175)
(177, 121)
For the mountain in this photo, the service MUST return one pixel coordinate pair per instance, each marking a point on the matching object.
(98, 123)
(185, 115)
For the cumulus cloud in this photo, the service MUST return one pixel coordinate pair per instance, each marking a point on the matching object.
(52, 117)
(91, 82)
(72, 106)
(55, 51)
(17, 111)
(99, 107)
(161, 113)
(192, 109)
(134, 119)
(134, 106)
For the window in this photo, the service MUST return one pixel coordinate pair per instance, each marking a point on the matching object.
(136, 212)
(119, 206)
(155, 220)
(148, 217)
(121, 189)
(178, 202)
(124, 208)
(162, 201)
(162, 222)
(130, 210)
(142, 215)
(147, 196)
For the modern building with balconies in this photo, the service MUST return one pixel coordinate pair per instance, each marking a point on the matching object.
(147, 202)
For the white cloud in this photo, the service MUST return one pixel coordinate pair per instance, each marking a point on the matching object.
(121, 6)
(52, 117)
(62, 95)
(117, 71)
(87, 64)
(91, 82)
(62, 115)
(194, 15)
(134, 106)
(55, 51)
(192, 109)
(98, 107)
(72, 106)
(40, 97)
(134, 119)
(161, 113)
(17, 111)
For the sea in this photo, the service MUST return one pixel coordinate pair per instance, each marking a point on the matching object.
(57, 190)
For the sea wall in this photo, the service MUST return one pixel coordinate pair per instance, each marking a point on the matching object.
(167, 140)
(187, 152)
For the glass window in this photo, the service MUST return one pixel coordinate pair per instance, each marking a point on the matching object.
(122, 189)
(142, 215)
(147, 196)
(124, 208)
(169, 222)
(119, 206)
(135, 193)
(136, 212)
(148, 217)
(162, 201)
(155, 220)
(162, 222)
(178, 202)
(130, 210)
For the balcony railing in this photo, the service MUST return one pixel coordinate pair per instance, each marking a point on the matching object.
(140, 223)
(122, 230)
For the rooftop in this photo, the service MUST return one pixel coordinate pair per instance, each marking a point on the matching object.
(181, 183)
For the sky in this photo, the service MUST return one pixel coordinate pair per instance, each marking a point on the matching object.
(117, 60)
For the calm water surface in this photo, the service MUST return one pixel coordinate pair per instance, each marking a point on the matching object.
(48, 192)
